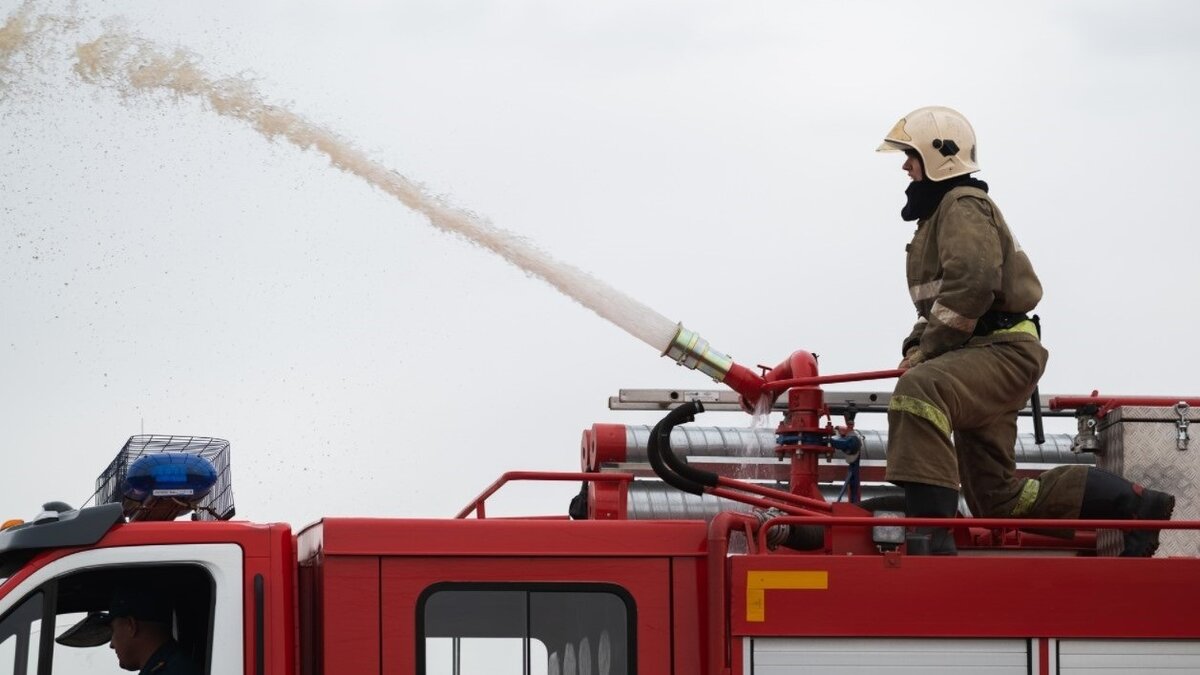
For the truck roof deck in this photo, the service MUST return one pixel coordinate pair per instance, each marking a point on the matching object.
(497, 536)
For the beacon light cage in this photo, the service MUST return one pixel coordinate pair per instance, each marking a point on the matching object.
(111, 484)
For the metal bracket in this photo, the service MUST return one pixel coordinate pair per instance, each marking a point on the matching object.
(1181, 426)
(1086, 439)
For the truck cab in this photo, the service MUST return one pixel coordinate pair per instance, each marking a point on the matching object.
(363, 595)
(62, 569)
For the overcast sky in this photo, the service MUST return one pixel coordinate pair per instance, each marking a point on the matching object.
(167, 269)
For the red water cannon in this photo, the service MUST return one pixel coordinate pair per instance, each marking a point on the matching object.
(801, 435)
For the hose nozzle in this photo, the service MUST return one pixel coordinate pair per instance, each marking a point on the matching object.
(691, 351)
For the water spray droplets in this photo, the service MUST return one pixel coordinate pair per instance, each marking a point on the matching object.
(759, 420)
(134, 66)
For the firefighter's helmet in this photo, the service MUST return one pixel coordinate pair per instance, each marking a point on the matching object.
(941, 136)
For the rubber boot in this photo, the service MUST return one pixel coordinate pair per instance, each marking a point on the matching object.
(1108, 496)
(930, 501)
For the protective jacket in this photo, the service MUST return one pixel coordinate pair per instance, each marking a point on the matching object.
(962, 263)
(169, 659)
(952, 419)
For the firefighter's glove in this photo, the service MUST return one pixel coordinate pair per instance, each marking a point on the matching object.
(912, 358)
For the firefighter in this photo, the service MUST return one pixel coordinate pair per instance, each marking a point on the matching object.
(974, 357)
(140, 623)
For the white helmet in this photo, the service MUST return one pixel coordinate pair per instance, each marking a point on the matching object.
(941, 136)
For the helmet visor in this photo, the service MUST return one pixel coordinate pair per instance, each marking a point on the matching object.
(893, 146)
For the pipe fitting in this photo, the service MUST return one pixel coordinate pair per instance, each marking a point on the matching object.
(691, 351)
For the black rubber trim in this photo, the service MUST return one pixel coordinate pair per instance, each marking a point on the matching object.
(260, 637)
(46, 641)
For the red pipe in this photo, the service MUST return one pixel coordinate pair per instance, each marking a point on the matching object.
(997, 523)
(780, 384)
(803, 477)
(1107, 403)
(738, 495)
(799, 364)
(745, 382)
(719, 657)
(764, 491)
(806, 405)
(805, 402)
(989, 523)
(981, 537)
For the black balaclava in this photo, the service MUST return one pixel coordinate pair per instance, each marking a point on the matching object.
(925, 195)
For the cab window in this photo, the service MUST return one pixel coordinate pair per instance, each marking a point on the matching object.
(472, 629)
(20, 637)
(79, 603)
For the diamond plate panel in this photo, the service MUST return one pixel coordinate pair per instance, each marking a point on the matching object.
(1139, 443)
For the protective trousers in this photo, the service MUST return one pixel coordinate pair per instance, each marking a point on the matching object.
(953, 419)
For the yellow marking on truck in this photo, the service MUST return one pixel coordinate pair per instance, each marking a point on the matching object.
(759, 581)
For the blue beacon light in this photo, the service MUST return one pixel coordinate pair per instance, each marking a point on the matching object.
(181, 475)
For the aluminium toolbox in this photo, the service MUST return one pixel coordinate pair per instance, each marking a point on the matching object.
(1158, 447)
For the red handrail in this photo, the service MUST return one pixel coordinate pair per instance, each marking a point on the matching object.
(1106, 404)
(477, 505)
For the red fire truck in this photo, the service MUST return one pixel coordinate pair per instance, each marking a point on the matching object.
(689, 550)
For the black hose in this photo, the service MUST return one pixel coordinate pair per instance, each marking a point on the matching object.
(662, 430)
(662, 470)
(670, 468)
(679, 466)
